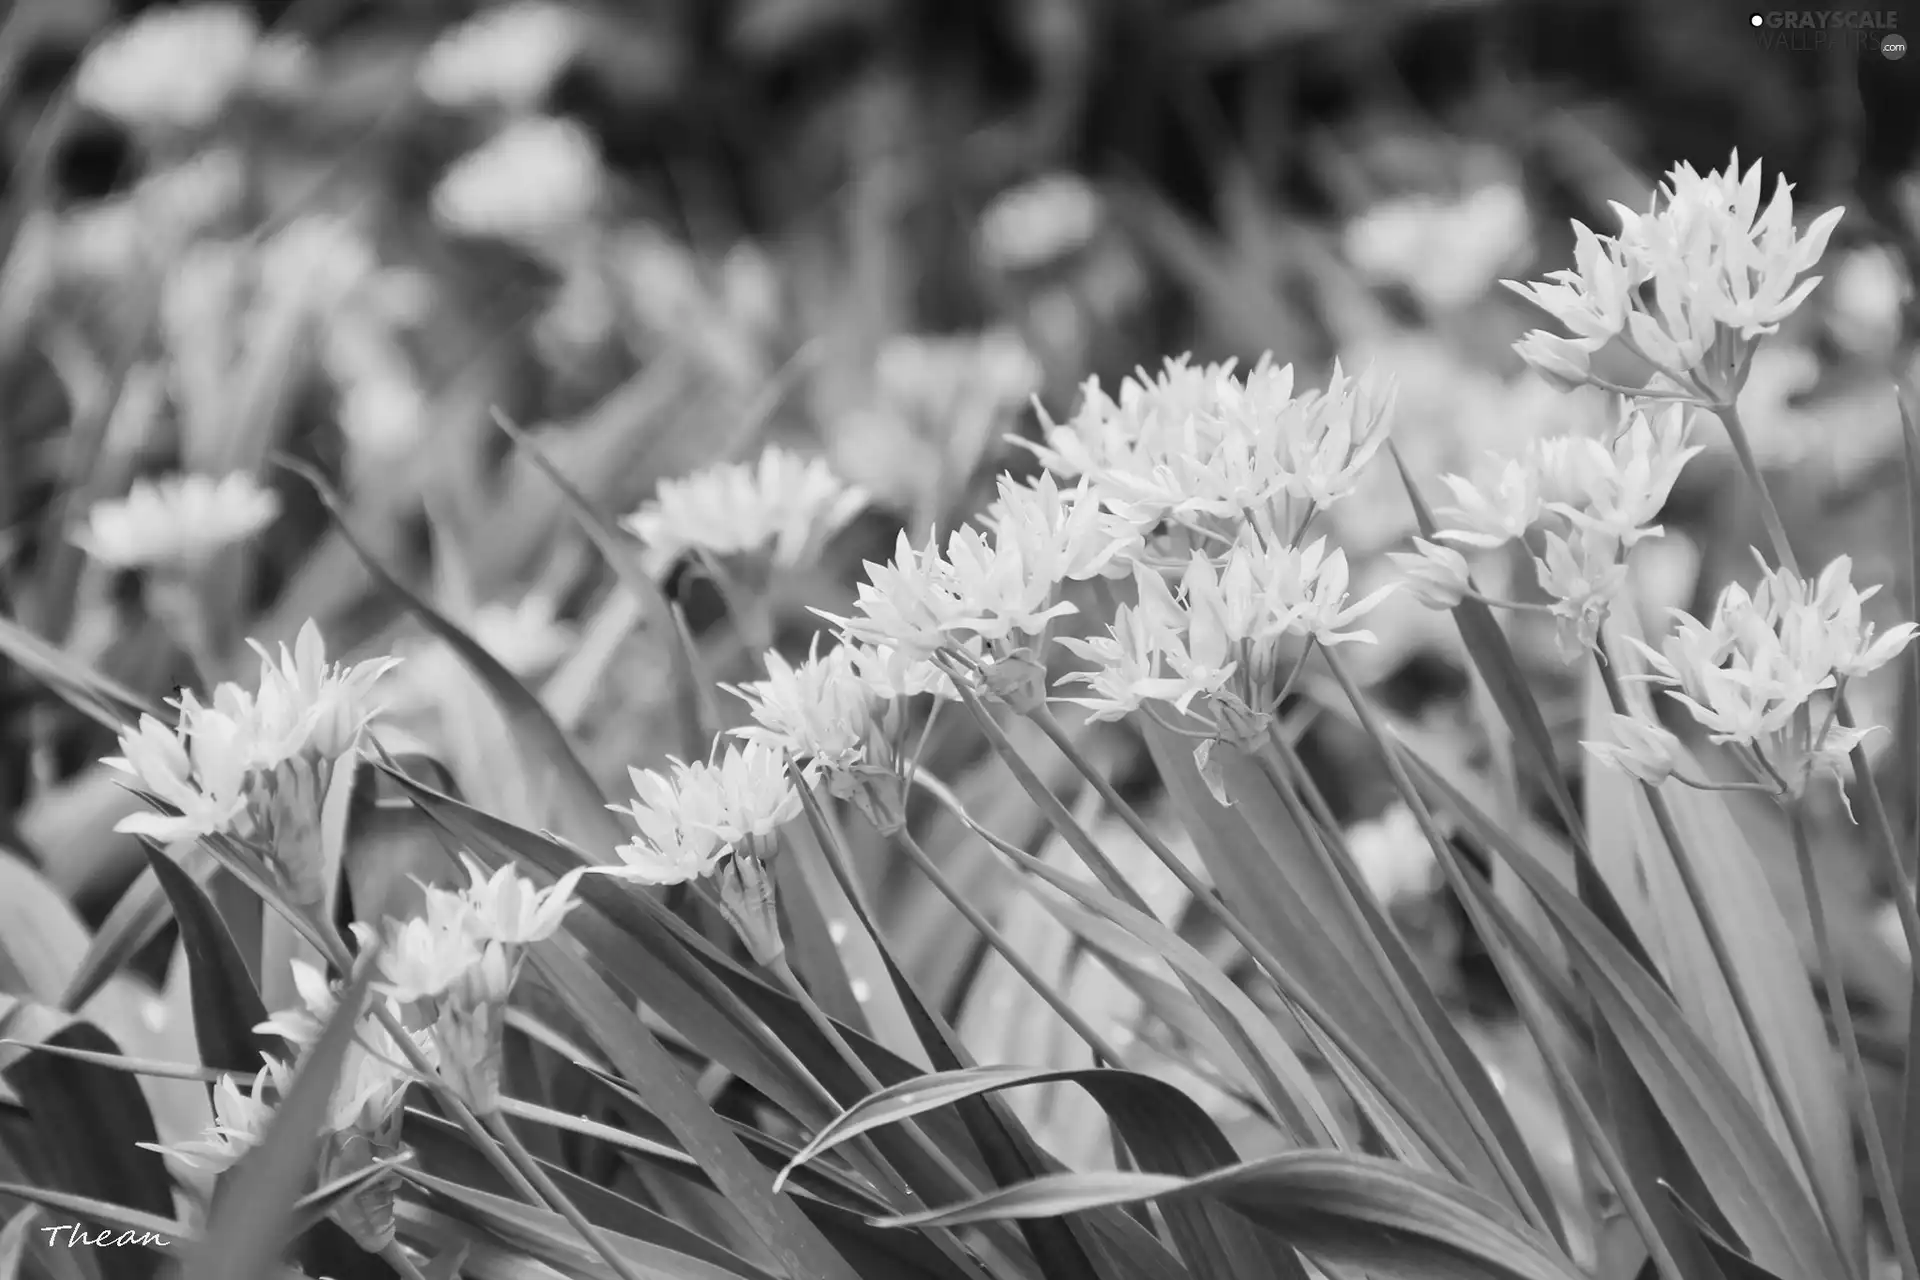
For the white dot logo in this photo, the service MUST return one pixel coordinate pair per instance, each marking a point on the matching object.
(1757, 20)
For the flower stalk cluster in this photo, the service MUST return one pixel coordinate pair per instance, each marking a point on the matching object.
(257, 766)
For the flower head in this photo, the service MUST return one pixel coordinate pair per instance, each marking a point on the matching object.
(177, 522)
(820, 712)
(175, 66)
(539, 177)
(504, 57)
(782, 506)
(1690, 284)
(1638, 748)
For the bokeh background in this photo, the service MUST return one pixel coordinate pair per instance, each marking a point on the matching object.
(661, 234)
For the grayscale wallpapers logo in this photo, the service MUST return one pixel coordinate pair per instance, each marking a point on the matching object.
(1820, 30)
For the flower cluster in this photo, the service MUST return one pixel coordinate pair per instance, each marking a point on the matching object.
(1581, 502)
(455, 964)
(1762, 676)
(993, 591)
(1689, 286)
(537, 179)
(256, 766)
(1218, 639)
(1200, 450)
(361, 1125)
(179, 67)
(781, 507)
(718, 818)
(176, 523)
(506, 57)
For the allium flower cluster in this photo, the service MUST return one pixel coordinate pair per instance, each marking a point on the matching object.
(721, 819)
(1761, 675)
(256, 766)
(176, 523)
(179, 67)
(782, 507)
(1689, 285)
(361, 1125)
(993, 591)
(506, 57)
(1197, 448)
(539, 178)
(455, 964)
(1581, 502)
(1217, 639)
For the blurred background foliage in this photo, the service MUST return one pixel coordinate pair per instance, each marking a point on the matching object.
(869, 227)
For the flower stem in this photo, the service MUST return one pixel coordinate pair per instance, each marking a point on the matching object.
(1103, 1052)
(1772, 1073)
(1301, 1001)
(1885, 1184)
(1398, 987)
(557, 1199)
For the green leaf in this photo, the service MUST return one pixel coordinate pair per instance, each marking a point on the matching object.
(1908, 751)
(136, 919)
(252, 1224)
(226, 1006)
(580, 810)
(1724, 855)
(107, 702)
(644, 1064)
(1258, 859)
(1340, 1208)
(14, 1240)
(1746, 1171)
(88, 1119)
(1166, 1131)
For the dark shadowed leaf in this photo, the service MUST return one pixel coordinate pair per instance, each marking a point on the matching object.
(226, 1005)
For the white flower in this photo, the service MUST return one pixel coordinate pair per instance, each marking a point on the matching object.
(1039, 222)
(1690, 284)
(1501, 507)
(690, 822)
(1638, 748)
(782, 506)
(175, 67)
(670, 850)
(505, 907)
(201, 770)
(820, 712)
(239, 1122)
(1309, 588)
(176, 522)
(538, 178)
(506, 57)
(1435, 575)
(332, 701)
(1394, 856)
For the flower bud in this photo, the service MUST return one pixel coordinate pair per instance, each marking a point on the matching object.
(1638, 748)
(1564, 362)
(1436, 575)
(747, 900)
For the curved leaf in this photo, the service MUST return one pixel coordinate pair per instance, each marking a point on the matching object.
(1748, 1174)
(1166, 1131)
(641, 1060)
(1345, 1209)
(579, 807)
